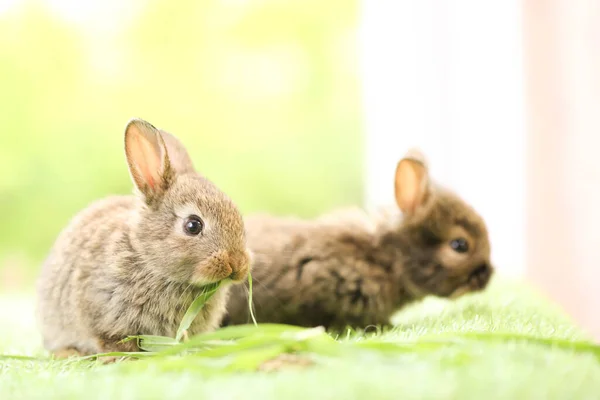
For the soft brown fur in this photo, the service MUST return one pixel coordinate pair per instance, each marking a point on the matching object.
(124, 265)
(349, 268)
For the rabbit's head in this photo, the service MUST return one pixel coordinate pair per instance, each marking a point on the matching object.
(186, 230)
(443, 243)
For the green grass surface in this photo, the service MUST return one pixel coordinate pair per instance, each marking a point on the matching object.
(506, 343)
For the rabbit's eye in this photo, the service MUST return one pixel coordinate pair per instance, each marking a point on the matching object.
(459, 245)
(193, 225)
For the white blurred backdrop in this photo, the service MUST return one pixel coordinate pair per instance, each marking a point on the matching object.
(504, 99)
(448, 77)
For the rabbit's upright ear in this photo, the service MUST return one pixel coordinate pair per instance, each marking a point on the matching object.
(412, 187)
(148, 159)
(179, 158)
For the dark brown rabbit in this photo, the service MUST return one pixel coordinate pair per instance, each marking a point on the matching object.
(351, 269)
(129, 265)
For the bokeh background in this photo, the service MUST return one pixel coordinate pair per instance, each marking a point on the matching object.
(265, 94)
(301, 106)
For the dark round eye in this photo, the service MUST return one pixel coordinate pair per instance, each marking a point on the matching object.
(193, 225)
(459, 245)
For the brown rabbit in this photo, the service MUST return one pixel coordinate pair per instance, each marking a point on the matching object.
(351, 269)
(131, 265)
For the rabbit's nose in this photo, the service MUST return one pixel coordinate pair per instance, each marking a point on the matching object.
(240, 263)
(480, 276)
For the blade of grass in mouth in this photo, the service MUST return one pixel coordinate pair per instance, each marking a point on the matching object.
(250, 305)
(197, 305)
(154, 343)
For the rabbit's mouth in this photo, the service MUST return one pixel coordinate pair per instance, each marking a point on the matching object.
(222, 266)
(480, 276)
(477, 280)
(203, 284)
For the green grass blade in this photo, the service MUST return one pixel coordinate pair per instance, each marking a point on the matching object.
(239, 331)
(195, 308)
(154, 343)
(250, 305)
(290, 342)
(233, 332)
(153, 339)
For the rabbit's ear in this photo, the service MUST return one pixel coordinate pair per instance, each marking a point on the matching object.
(178, 156)
(412, 182)
(148, 159)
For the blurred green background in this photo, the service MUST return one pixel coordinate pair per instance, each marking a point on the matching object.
(265, 95)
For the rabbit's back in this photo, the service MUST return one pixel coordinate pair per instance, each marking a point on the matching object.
(273, 241)
(82, 249)
(312, 272)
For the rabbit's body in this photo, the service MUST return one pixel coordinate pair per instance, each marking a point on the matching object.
(123, 267)
(114, 298)
(325, 272)
(351, 268)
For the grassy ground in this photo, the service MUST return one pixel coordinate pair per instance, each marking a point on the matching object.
(507, 343)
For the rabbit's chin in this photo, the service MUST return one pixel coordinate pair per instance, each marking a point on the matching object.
(417, 292)
(465, 288)
(201, 282)
(460, 291)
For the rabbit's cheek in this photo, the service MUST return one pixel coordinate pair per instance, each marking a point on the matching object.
(211, 272)
(216, 268)
(456, 263)
(436, 279)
